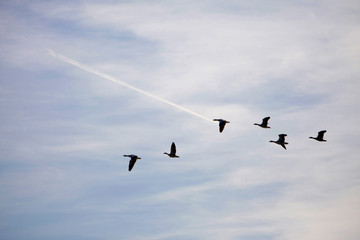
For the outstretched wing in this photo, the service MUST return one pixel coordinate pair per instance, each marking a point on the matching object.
(321, 134)
(173, 149)
(265, 121)
(221, 125)
(283, 145)
(132, 163)
(282, 138)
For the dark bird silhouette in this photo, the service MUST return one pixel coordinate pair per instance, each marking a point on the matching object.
(222, 124)
(172, 153)
(281, 140)
(320, 136)
(132, 161)
(264, 123)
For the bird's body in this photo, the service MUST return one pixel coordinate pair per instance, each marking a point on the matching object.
(222, 124)
(264, 123)
(172, 153)
(320, 136)
(132, 161)
(281, 140)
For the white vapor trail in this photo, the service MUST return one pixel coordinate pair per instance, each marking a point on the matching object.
(113, 79)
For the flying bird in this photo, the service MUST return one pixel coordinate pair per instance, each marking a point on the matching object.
(281, 140)
(132, 161)
(320, 136)
(172, 153)
(222, 124)
(264, 123)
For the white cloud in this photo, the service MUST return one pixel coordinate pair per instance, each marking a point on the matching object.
(295, 61)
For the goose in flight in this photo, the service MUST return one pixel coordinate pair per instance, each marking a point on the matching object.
(132, 161)
(320, 136)
(172, 153)
(222, 124)
(264, 123)
(281, 140)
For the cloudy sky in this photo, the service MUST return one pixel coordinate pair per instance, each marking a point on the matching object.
(64, 130)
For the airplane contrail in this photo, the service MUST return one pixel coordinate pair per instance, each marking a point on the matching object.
(115, 80)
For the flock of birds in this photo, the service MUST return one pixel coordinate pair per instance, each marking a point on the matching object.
(222, 123)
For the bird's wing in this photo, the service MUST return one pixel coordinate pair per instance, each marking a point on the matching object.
(221, 126)
(282, 137)
(173, 149)
(283, 145)
(132, 163)
(265, 121)
(321, 134)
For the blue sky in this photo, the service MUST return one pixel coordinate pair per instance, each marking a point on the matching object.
(64, 130)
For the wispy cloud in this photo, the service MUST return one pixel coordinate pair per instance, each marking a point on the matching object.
(64, 131)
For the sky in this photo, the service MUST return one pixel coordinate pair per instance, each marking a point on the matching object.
(64, 130)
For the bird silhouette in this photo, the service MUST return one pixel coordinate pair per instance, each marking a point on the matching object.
(320, 136)
(264, 123)
(222, 124)
(172, 153)
(132, 161)
(281, 140)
